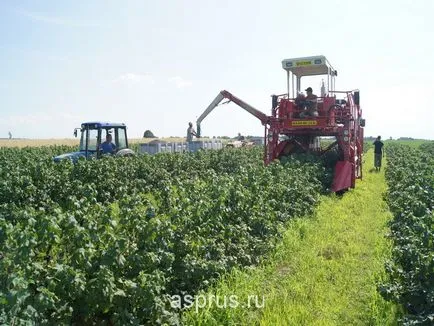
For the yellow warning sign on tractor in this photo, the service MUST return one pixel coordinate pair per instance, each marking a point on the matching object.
(300, 123)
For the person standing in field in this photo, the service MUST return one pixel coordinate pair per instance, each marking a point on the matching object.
(378, 152)
(190, 133)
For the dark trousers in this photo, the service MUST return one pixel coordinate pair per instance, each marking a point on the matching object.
(377, 160)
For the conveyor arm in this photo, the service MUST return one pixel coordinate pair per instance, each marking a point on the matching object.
(225, 94)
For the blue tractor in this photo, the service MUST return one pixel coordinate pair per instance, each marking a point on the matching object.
(96, 137)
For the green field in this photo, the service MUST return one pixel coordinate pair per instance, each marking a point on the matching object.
(412, 143)
(214, 238)
(325, 271)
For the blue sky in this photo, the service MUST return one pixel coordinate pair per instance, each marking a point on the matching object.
(158, 64)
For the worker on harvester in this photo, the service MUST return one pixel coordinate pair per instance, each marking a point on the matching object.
(308, 103)
(190, 133)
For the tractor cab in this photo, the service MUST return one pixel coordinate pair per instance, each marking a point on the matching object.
(321, 109)
(92, 137)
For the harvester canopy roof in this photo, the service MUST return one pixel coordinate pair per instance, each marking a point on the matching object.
(309, 66)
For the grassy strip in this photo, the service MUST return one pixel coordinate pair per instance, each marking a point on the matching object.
(324, 273)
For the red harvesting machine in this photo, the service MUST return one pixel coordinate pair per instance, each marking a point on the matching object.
(291, 129)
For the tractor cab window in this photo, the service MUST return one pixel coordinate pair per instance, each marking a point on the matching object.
(93, 139)
(89, 136)
(118, 136)
(105, 132)
(121, 138)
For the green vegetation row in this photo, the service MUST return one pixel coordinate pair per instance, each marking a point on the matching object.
(110, 241)
(324, 272)
(410, 177)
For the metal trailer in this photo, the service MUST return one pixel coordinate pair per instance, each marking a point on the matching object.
(179, 147)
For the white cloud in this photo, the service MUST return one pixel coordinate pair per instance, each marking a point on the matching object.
(180, 82)
(134, 78)
(55, 20)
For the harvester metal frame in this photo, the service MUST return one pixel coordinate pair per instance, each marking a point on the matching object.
(341, 119)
